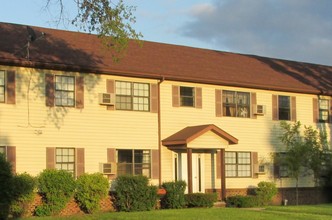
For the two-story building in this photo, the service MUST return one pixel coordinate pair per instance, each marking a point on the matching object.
(169, 112)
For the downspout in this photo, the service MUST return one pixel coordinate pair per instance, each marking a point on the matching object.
(159, 128)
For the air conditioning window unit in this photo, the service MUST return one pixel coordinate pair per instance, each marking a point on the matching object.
(108, 168)
(106, 98)
(259, 109)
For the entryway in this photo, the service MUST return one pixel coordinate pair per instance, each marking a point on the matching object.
(198, 174)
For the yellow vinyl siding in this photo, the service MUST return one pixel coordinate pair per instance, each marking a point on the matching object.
(93, 128)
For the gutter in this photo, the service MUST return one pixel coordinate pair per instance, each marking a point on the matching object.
(161, 80)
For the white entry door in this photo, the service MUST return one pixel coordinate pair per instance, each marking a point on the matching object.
(197, 171)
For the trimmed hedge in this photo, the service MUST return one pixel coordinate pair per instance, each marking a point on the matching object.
(56, 187)
(174, 197)
(200, 199)
(242, 201)
(265, 192)
(6, 187)
(133, 193)
(24, 185)
(90, 190)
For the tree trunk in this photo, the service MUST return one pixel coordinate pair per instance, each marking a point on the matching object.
(297, 191)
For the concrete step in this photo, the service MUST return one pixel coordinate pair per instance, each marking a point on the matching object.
(219, 204)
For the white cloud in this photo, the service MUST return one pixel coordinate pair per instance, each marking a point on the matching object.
(288, 29)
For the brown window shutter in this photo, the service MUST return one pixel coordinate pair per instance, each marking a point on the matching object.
(154, 98)
(315, 110)
(11, 157)
(111, 155)
(330, 112)
(275, 111)
(254, 156)
(198, 97)
(293, 108)
(50, 158)
(218, 164)
(175, 96)
(10, 90)
(80, 92)
(49, 90)
(253, 105)
(110, 88)
(155, 164)
(218, 103)
(80, 169)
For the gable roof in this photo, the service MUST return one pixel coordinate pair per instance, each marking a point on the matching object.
(190, 133)
(73, 51)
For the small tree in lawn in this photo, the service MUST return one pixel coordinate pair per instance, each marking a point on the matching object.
(303, 152)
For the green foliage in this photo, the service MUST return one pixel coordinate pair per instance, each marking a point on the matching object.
(90, 190)
(6, 187)
(56, 188)
(200, 199)
(265, 192)
(242, 201)
(111, 21)
(174, 197)
(303, 152)
(24, 185)
(133, 193)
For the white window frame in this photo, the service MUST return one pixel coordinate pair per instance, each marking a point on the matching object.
(65, 91)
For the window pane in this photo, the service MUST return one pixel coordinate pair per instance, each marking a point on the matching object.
(230, 157)
(187, 96)
(65, 159)
(244, 158)
(2, 86)
(64, 90)
(323, 104)
(244, 171)
(230, 170)
(132, 96)
(236, 104)
(284, 107)
(125, 156)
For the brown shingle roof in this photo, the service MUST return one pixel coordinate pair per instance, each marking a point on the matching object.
(73, 51)
(188, 134)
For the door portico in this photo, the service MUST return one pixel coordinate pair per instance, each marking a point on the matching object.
(203, 138)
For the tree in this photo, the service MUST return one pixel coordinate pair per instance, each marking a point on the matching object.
(6, 187)
(109, 20)
(303, 153)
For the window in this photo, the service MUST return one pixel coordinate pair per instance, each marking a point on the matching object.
(281, 165)
(236, 104)
(238, 164)
(64, 90)
(323, 110)
(187, 96)
(134, 162)
(2, 86)
(284, 108)
(132, 96)
(65, 159)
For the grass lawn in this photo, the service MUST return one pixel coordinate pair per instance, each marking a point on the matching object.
(316, 212)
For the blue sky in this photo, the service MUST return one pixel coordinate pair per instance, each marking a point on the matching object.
(288, 29)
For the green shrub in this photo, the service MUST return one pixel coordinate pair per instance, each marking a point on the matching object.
(90, 190)
(6, 187)
(174, 197)
(133, 193)
(200, 199)
(56, 188)
(265, 192)
(242, 201)
(24, 185)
